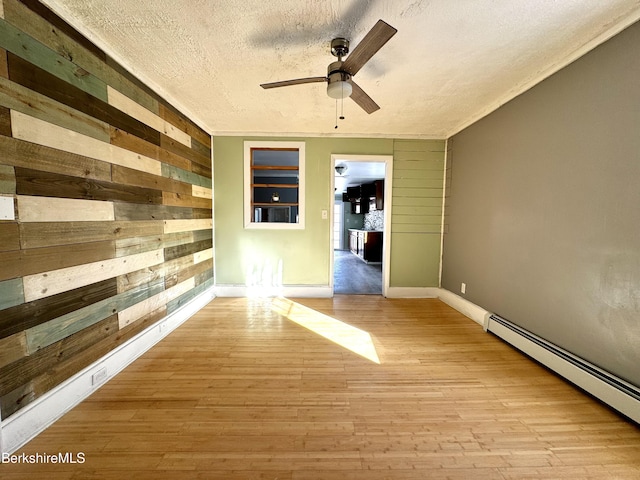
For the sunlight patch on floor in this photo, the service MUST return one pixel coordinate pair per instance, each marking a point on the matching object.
(349, 337)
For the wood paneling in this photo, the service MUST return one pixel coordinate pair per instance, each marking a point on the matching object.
(5, 119)
(46, 184)
(43, 82)
(202, 149)
(57, 281)
(43, 133)
(63, 41)
(178, 148)
(129, 246)
(27, 315)
(19, 98)
(127, 211)
(172, 226)
(35, 260)
(46, 62)
(203, 192)
(30, 155)
(9, 236)
(186, 249)
(43, 209)
(129, 176)
(55, 23)
(7, 179)
(12, 348)
(137, 111)
(55, 330)
(42, 360)
(140, 309)
(4, 68)
(185, 176)
(11, 293)
(36, 235)
(418, 174)
(181, 200)
(183, 123)
(104, 178)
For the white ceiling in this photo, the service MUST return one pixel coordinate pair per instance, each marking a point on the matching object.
(451, 62)
(357, 173)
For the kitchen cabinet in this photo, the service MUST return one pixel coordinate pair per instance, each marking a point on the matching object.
(366, 244)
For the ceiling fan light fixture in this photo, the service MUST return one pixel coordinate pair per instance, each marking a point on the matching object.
(340, 89)
(341, 169)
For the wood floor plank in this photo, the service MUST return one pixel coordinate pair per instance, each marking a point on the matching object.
(245, 390)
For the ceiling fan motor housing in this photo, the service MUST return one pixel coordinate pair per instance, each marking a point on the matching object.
(339, 47)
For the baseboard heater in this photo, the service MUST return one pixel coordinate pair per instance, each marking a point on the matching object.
(613, 391)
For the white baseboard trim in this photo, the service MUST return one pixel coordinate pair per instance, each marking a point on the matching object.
(614, 397)
(465, 307)
(25, 424)
(300, 291)
(462, 305)
(605, 391)
(413, 292)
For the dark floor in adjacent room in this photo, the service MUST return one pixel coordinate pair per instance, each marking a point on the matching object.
(352, 276)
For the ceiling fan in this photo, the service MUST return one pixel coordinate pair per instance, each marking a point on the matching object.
(339, 79)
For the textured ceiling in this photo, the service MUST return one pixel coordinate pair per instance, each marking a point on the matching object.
(451, 62)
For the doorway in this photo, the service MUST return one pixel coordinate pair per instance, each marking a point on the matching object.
(361, 227)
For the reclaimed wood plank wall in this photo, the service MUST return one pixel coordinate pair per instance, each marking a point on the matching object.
(105, 204)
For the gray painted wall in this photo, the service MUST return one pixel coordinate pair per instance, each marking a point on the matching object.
(543, 208)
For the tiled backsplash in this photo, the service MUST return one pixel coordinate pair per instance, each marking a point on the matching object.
(374, 220)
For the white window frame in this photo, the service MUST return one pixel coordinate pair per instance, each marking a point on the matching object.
(248, 223)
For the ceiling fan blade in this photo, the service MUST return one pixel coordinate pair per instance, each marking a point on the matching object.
(362, 99)
(297, 81)
(368, 47)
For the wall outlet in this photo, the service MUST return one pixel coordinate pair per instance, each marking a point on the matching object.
(163, 327)
(463, 288)
(99, 377)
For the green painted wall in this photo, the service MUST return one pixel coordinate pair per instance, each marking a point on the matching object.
(304, 255)
(416, 221)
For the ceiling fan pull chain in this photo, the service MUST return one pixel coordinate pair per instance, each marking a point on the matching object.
(336, 113)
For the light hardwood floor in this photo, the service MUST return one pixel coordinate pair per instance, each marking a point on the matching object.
(248, 389)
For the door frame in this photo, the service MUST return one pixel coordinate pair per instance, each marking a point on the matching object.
(386, 235)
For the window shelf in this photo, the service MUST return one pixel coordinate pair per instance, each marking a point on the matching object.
(275, 185)
(273, 204)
